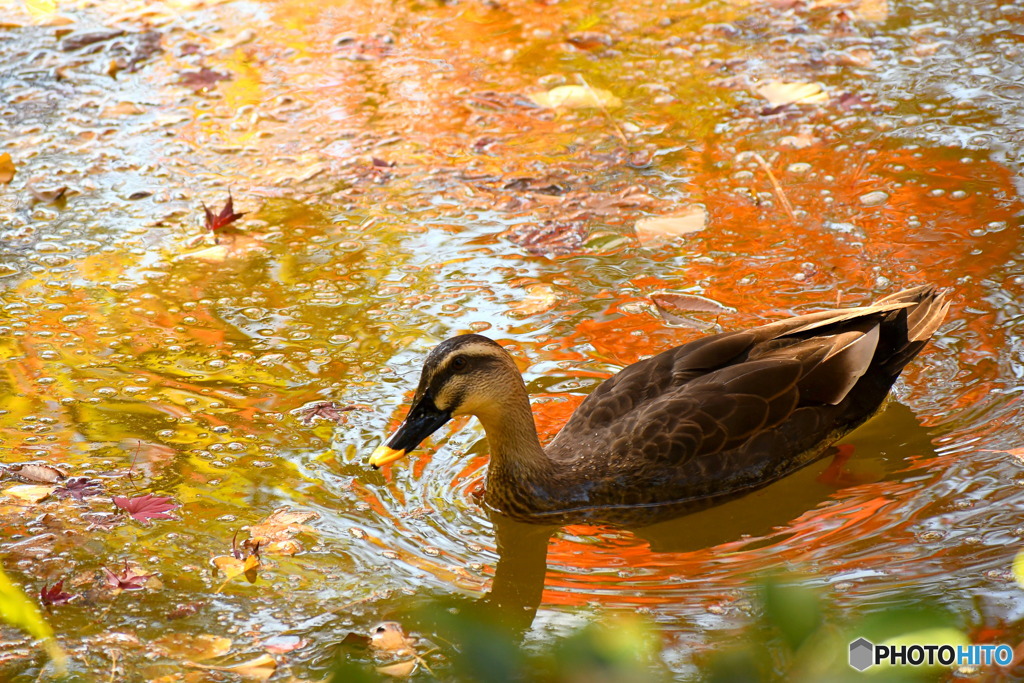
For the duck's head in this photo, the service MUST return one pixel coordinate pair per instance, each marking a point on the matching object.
(464, 375)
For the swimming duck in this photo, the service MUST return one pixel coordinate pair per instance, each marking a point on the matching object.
(694, 425)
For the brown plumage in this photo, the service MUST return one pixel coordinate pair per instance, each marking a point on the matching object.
(699, 423)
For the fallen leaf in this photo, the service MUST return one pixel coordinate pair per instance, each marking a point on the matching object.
(779, 93)
(259, 669)
(217, 222)
(689, 220)
(687, 303)
(329, 411)
(184, 610)
(79, 40)
(274, 534)
(55, 595)
(279, 645)
(36, 474)
(232, 567)
(540, 297)
(873, 10)
(121, 109)
(194, 648)
(47, 196)
(79, 488)
(129, 580)
(146, 507)
(399, 669)
(30, 493)
(575, 97)
(215, 254)
(7, 169)
(202, 79)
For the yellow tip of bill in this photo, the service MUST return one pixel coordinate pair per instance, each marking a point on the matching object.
(383, 455)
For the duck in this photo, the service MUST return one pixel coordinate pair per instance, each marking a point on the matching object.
(694, 425)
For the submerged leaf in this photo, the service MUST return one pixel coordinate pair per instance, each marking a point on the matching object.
(129, 580)
(689, 220)
(329, 411)
(275, 533)
(259, 669)
(399, 669)
(778, 93)
(194, 648)
(576, 97)
(79, 488)
(30, 493)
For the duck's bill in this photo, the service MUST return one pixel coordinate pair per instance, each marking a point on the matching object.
(424, 419)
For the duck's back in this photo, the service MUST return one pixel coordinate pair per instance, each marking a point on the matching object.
(737, 410)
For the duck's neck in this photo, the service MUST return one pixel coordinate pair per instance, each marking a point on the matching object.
(520, 473)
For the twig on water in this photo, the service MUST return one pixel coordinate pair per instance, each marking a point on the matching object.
(775, 186)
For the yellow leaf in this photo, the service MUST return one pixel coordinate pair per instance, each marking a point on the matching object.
(286, 547)
(539, 298)
(274, 534)
(778, 93)
(691, 219)
(194, 648)
(575, 97)
(873, 10)
(399, 669)
(259, 669)
(30, 493)
(40, 7)
(232, 567)
(16, 609)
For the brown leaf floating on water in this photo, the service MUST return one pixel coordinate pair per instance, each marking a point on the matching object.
(671, 305)
(36, 473)
(687, 303)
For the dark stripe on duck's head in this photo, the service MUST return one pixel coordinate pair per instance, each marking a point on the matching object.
(450, 346)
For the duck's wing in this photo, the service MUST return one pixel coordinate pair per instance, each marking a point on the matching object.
(781, 388)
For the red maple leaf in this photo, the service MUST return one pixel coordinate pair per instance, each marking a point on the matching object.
(129, 580)
(146, 507)
(227, 216)
(55, 595)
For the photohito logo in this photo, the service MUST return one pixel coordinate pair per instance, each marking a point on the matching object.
(864, 654)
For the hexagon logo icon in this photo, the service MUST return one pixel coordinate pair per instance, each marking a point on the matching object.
(862, 654)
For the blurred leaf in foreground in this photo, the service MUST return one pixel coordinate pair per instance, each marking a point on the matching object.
(16, 609)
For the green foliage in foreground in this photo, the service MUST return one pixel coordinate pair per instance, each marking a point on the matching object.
(796, 638)
(799, 639)
(16, 609)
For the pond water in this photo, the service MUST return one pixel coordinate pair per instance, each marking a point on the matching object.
(399, 187)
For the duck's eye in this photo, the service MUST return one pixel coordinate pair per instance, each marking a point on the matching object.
(459, 363)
